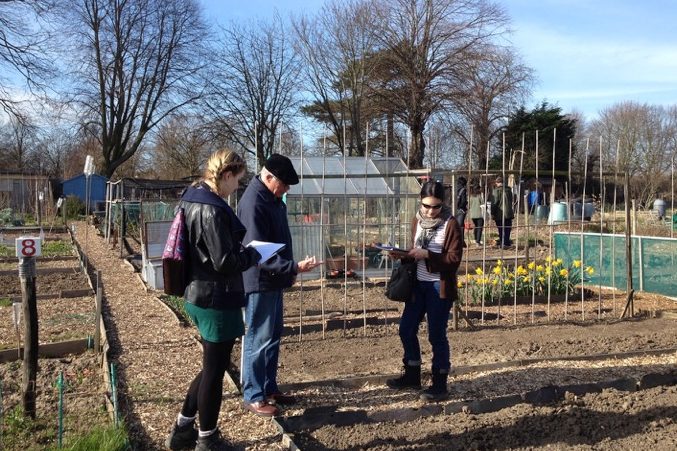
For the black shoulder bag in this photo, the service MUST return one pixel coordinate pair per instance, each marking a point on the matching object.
(400, 287)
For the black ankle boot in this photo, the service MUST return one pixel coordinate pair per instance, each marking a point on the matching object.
(411, 378)
(438, 390)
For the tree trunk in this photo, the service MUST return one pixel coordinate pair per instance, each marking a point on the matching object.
(417, 144)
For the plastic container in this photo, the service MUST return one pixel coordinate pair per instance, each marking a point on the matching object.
(659, 207)
(541, 213)
(558, 213)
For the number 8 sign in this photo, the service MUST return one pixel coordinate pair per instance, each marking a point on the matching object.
(28, 247)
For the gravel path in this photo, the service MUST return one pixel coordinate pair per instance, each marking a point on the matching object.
(157, 359)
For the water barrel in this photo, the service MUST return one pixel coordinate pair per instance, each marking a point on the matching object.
(659, 207)
(558, 213)
(541, 213)
(588, 211)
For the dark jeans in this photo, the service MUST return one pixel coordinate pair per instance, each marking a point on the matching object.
(504, 228)
(204, 394)
(477, 231)
(426, 302)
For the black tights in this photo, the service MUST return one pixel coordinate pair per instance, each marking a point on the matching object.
(205, 392)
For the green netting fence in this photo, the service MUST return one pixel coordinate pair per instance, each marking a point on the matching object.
(654, 260)
(149, 211)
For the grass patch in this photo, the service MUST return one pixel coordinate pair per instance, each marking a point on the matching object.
(57, 248)
(5, 302)
(102, 438)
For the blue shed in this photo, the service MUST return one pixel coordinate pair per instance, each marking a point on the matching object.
(77, 186)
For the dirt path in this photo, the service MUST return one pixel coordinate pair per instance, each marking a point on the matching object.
(157, 359)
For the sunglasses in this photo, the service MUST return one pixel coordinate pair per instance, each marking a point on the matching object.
(431, 207)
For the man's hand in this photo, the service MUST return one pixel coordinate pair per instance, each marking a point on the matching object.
(308, 264)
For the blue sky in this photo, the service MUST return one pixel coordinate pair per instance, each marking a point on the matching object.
(587, 54)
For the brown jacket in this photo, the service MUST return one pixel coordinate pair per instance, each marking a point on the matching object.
(446, 262)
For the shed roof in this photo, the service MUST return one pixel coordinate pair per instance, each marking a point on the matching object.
(352, 176)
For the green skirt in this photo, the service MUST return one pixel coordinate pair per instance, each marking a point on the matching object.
(216, 325)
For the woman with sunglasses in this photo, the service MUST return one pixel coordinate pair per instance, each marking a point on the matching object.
(438, 248)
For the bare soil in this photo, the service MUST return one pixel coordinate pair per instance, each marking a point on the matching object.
(83, 402)
(157, 359)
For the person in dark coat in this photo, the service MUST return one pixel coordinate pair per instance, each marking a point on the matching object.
(214, 296)
(264, 214)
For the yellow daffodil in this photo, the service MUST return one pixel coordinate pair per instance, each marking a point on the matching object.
(497, 270)
(590, 270)
(541, 279)
(548, 271)
(539, 268)
(531, 265)
(525, 279)
(499, 262)
(507, 281)
(459, 284)
(577, 263)
(548, 259)
(479, 271)
(557, 262)
(563, 272)
(494, 282)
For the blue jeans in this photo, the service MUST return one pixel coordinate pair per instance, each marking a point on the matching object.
(426, 302)
(263, 316)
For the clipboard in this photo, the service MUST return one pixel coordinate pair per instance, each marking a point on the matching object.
(385, 247)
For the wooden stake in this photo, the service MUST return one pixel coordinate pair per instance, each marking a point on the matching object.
(30, 312)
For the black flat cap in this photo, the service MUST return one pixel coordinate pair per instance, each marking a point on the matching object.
(282, 168)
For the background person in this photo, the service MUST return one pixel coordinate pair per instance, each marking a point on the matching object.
(476, 210)
(502, 211)
(265, 215)
(438, 249)
(214, 295)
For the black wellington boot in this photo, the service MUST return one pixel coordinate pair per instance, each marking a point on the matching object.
(411, 378)
(438, 390)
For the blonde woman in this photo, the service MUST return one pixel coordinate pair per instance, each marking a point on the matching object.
(214, 295)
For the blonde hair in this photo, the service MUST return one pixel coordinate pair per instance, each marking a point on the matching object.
(221, 161)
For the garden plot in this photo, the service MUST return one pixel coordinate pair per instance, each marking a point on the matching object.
(65, 302)
(83, 409)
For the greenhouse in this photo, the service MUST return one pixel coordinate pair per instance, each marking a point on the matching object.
(344, 204)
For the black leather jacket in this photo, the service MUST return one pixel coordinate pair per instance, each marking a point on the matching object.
(216, 257)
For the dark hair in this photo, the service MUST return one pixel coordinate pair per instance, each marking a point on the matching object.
(432, 188)
(462, 181)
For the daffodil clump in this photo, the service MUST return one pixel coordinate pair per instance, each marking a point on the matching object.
(500, 282)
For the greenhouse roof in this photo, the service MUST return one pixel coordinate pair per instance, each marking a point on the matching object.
(353, 176)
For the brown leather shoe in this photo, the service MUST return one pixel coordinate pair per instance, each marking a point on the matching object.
(281, 398)
(262, 408)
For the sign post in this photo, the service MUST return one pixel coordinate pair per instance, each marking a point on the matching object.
(27, 248)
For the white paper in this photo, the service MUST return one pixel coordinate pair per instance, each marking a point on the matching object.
(266, 249)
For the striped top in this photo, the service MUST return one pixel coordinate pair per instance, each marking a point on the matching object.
(435, 245)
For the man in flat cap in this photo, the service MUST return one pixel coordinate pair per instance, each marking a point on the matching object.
(263, 213)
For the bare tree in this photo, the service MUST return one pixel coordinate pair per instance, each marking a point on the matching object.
(181, 146)
(424, 42)
(137, 62)
(253, 87)
(644, 137)
(338, 47)
(17, 144)
(492, 85)
(24, 43)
